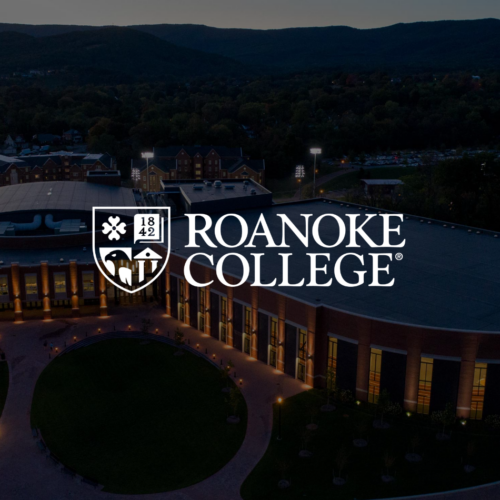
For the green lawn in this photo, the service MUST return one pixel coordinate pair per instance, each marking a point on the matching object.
(4, 384)
(441, 468)
(351, 179)
(136, 418)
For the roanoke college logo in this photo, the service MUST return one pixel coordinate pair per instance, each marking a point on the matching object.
(122, 244)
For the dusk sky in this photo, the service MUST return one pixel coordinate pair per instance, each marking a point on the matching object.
(245, 13)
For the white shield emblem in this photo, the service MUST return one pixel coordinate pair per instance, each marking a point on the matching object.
(131, 245)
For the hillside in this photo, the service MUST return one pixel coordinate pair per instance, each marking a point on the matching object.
(426, 45)
(441, 45)
(108, 54)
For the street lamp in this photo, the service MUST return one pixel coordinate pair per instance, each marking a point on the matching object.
(136, 176)
(280, 400)
(300, 173)
(147, 156)
(315, 152)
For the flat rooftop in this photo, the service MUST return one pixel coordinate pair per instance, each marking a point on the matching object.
(448, 278)
(61, 195)
(199, 192)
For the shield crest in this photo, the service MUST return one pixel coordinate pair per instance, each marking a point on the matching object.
(131, 245)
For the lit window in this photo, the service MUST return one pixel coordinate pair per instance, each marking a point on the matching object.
(301, 374)
(223, 318)
(477, 404)
(201, 314)
(60, 284)
(425, 385)
(273, 341)
(4, 286)
(182, 289)
(88, 283)
(248, 316)
(332, 354)
(31, 285)
(248, 328)
(375, 370)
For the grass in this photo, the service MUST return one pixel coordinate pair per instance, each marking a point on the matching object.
(351, 179)
(440, 470)
(136, 418)
(4, 384)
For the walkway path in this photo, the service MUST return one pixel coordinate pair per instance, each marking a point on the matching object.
(25, 473)
(319, 181)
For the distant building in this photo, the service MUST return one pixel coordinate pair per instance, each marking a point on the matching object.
(9, 146)
(196, 163)
(60, 166)
(47, 139)
(380, 186)
(72, 136)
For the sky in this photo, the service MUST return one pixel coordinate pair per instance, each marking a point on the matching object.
(257, 14)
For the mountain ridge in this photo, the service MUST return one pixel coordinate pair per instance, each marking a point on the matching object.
(124, 52)
(423, 46)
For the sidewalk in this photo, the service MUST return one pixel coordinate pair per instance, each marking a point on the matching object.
(25, 473)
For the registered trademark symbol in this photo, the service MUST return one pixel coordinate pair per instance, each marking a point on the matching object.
(399, 256)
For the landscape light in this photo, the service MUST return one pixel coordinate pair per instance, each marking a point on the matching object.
(147, 155)
(315, 152)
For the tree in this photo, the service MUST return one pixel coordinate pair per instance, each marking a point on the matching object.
(225, 374)
(234, 400)
(446, 418)
(179, 338)
(383, 405)
(146, 324)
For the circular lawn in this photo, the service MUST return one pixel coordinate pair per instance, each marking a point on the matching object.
(134, 417)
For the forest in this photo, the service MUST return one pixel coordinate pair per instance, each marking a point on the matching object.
(275, 118)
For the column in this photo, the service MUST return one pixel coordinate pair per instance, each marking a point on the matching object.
(187, 305)
(363, 366)
(255, 321)
(311, 341)
(73, 276)
(412, 378)
(208, 311)
(16, 292)
(168, 298)
(103, 297)
(229, 311)
(44, 268)
(280, 365)
(469, 348)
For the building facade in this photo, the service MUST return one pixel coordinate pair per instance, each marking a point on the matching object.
(61, 166)
(195, 162)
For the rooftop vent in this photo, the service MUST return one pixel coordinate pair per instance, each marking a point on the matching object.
(228, 186)
(208, 184)
(218, 184)
(253, 192)
(197, 188)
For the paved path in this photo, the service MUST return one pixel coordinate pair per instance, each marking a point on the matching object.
(25, 473)
(319, 182)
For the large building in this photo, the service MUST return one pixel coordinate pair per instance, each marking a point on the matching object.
(60, 166)
(432, 338)
(196, 163)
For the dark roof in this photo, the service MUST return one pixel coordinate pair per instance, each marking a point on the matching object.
(60, 195)
(232, 166)
(6, 161)
(38, 160)
(448, 278)
(222, 151)
(164, 165)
